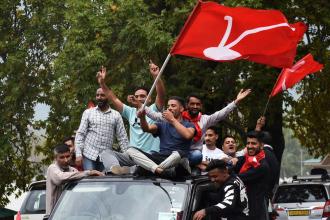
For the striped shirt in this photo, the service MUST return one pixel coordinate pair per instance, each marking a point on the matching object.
(96, 132)
(234, 202)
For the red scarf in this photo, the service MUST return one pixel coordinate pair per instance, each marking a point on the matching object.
(195, 120)
(252, 161)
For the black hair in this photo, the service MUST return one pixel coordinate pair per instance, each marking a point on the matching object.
(255, 134)
(142, 88)
(177, 98)
(214, 129)
(69, 138)
(225, 137)
(266, 137)
(61, 148)
(195, 96)
(216, 164)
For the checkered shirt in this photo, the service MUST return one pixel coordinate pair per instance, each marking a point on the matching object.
(96, 132)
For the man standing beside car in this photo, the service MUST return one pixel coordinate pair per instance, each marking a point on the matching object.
(234, 202)
(61, 172)
(254, 171)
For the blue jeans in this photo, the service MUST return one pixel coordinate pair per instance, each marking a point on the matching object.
(89, 164)
(195, 157)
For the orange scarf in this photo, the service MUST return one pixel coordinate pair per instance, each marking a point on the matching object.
(252, 161)
(195, 120)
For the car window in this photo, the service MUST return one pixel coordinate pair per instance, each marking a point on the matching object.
(300, 193)
(35, 202)
(121, 201)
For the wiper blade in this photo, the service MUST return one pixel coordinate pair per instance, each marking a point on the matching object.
(168, 195)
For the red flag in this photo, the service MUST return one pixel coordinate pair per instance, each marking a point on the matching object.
(290, 76)
(90, 104)
(219, 33)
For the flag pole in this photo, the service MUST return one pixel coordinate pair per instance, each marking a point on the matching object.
(169, 55)
(156, 80)
(264, 112)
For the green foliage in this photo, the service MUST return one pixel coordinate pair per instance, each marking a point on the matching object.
(24, 60)
(51, 50)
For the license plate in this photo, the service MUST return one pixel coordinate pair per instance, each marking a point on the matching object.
(298, 212)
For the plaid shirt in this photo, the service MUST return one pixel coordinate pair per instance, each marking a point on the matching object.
(96, 132)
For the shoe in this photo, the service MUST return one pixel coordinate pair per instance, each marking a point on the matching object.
(184, 162)
(168, 173)
(118, 170)
(139, 171)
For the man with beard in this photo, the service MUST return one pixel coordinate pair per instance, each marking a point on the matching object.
(175, 136)
(233, 201)
(254, 171)
(59, 173)
(201, 121)
(98, 127)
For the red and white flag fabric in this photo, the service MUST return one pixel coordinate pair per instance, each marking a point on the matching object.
(219, 33)
(290, 76)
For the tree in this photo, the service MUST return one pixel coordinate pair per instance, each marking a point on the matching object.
(51, 50)
(25, 53)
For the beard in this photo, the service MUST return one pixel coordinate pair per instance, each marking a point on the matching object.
(193, 113)
(102, 104)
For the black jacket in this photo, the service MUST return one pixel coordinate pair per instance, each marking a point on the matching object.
(256, 181)
(233, 205)
(274, 167)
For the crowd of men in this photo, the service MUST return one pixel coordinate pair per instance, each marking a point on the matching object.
(169, 141)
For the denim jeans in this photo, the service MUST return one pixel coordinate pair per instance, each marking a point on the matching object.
(89, 164)
(195, 157)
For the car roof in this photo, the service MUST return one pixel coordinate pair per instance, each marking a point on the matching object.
(124, 178)
(305, 183)
(38, 185)
(41, 185)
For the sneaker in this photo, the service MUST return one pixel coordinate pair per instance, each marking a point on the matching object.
(184, 162)
(139, 171)
(118, 170)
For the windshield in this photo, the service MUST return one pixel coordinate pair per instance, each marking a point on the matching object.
(121, 201)
(35, 203)
(300, 193)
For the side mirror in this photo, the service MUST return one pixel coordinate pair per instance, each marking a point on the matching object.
(46, 217)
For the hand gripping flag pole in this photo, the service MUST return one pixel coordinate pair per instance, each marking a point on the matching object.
(156, 80)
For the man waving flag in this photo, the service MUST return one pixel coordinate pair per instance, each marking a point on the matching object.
(290, 76)
(219, 33)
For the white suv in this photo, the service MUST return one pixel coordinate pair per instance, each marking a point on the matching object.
(306, 198)
(34, 205)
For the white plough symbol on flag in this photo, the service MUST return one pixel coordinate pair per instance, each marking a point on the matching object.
(292, 70)
(224, 52)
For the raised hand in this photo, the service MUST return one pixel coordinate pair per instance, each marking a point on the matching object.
(260, 123)
(101, 75)
(154, 69)
(241, 95)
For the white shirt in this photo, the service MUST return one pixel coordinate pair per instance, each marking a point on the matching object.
(209, 155)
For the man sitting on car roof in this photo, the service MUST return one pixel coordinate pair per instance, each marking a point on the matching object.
(175, 136)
